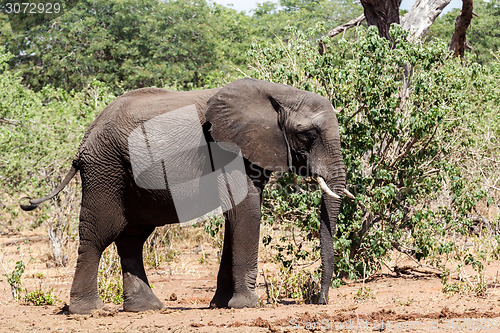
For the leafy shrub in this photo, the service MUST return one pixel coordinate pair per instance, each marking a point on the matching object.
(109, 276)
(40, 297)
(408, 117)
(40, 132)
(299, 285)
(213, 227)
(14, 280)
(288, 207)
(39, 136)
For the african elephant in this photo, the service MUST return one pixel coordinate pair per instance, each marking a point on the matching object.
(275, 127)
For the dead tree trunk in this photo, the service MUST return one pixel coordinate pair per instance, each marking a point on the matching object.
(421, 16)
(381, 13)
(458, 41)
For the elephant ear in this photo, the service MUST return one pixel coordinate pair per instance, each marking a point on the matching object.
(245, 113)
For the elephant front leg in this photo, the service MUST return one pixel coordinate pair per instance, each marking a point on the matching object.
(225, 289)
(238, 269)
(137, 294)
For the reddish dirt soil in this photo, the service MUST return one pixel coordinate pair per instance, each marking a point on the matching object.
(409, 303)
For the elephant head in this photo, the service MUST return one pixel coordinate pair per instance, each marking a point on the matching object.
(280, 128)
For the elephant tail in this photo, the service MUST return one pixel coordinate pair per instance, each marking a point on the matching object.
(33, 203)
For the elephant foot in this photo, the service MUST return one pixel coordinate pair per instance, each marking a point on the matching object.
(322, 301)
(323, 296)
(138, 296)
(143, 304)
(85, 307)
(244, 300)
(220, 300)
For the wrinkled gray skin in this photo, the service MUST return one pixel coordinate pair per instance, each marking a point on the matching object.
(276, 126)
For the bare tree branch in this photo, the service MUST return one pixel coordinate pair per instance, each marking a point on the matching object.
(9, 121)
(341, 28)
(421, 16)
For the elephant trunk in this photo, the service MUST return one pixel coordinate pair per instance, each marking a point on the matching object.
(329, 211)
(330, 205)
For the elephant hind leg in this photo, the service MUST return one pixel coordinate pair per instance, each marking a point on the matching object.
(137, 294)
(84, 296)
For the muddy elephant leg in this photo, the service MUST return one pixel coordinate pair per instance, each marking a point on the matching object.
(84, 295)
(137, 294)
(238, 268)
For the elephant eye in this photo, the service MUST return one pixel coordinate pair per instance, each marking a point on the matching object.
(307, 136)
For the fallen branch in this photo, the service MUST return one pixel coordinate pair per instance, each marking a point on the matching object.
(493, 187)
(408, 270)
(9, 121)
(26, 239)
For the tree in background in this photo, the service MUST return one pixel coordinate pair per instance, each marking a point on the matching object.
(381, 13)
(271, 19)
(422, 15)
(458, 42)
(178, 43)
(185, 44)
(130, 44)
(483, 34)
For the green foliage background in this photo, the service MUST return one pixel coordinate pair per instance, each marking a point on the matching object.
(183, 44)
(411, 120)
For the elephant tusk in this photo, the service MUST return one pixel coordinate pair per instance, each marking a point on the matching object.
(349, 194)
(325, 188)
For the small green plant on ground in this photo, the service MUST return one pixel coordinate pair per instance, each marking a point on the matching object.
(300, 285)
(40, 297)
(364, 293)
(409, 301)
(465, 284)
(14, 280)
(35, 297)
(110, 276)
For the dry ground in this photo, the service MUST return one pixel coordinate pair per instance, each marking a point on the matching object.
(409, 303)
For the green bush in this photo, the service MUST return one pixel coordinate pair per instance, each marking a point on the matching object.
(109, 276)
(40, 132)
(296, 213)
(410, 119)
(14, 280)
(40, 297)
(39, 135)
